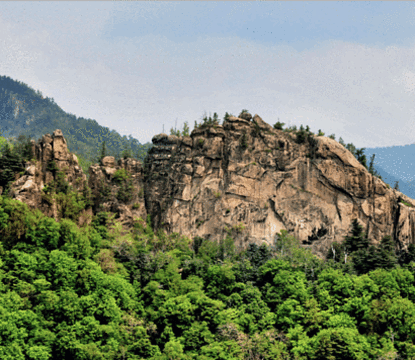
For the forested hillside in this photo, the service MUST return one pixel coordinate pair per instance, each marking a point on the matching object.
(89, 293)
(94, 292)
(25, 112)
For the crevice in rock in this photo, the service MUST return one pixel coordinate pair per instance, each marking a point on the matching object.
(316, 235)
(337, 208)
(275, 212)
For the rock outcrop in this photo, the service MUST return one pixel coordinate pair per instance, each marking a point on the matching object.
(250, 180)
(119, 188)
(28, 187)
(244, 178)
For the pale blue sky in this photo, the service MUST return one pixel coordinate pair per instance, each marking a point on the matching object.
(345, 67)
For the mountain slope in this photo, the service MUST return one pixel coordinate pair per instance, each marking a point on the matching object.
(24, 111)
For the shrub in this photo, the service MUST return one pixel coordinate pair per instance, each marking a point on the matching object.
(70, 205)
(125, 192)
(217, 195)
(120, 175)
(243, 141)
(404, 202)
(279, 125)
(320, 133)
(127, 153)
(136, 206)
(301, 135)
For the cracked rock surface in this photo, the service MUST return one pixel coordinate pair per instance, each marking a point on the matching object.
(207, 184)
(243, 178)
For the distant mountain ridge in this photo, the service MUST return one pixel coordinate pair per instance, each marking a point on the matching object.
(396, 163)
(24, 111)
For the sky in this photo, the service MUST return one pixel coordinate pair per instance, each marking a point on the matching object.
(347, 68)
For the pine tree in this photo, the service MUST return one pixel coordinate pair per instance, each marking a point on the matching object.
(103, 151)
(386, 253)
(361, 157)
(358, 239)
(215, 118)
(351, 148)
(371, 167)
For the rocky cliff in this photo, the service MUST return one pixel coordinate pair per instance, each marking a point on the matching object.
(250, 180)
(40, 172)
(119, 188)
(244, 178)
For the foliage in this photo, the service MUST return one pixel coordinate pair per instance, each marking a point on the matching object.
(243, 141)
(372, 168)
(226, 117)
(279, 125)
(14, 153)
(103, 152)
(95, 292)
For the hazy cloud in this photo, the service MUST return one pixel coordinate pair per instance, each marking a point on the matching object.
(136, 82)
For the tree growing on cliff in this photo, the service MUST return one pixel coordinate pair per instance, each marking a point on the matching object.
(361, 157)
(372, 168)
(186, 129)
(226, 117)
(279, 125)
(396, 186)
(174, 132)
(103, 152)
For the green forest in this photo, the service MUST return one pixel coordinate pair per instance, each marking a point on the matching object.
(70, 292)
(91, 292)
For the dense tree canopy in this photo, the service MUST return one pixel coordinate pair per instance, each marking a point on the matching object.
(70, 292)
